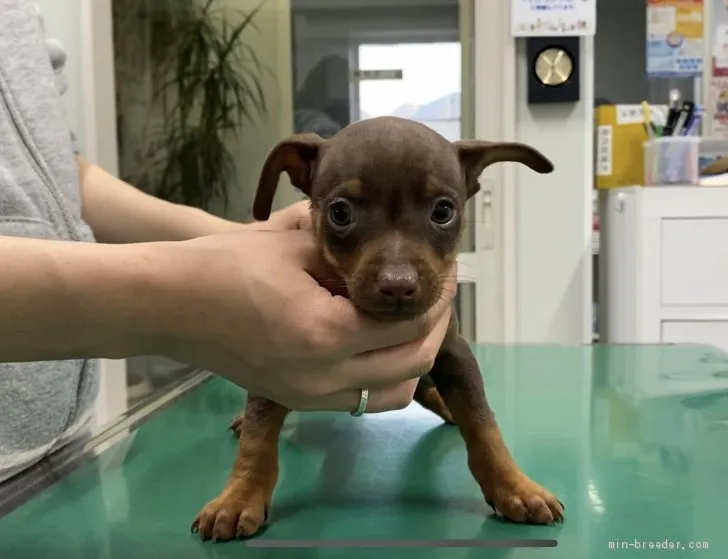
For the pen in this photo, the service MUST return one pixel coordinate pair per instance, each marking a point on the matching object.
(692, 126)
(684, 116)
(673, 112)
(649, 127)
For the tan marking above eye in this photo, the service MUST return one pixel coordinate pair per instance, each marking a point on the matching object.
(350, 188)
(432, 187)
(439, 188)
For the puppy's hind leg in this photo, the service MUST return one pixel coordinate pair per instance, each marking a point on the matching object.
(505, 487)
(428, 397)
(242, 506)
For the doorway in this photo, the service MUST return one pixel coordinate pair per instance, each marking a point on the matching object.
(426, 89)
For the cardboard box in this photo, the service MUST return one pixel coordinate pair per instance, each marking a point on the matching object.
(620, 135)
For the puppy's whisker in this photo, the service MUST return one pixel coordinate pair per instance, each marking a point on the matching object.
(448, 290)
(452, 273)
(440, 300)
(333, 281)
(452, 276)
(462, 279)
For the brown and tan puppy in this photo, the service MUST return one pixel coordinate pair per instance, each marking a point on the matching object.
(387, 201)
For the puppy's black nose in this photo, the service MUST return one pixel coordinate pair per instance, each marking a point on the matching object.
(398, 283)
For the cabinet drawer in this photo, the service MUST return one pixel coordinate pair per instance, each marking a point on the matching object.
(694, 269)
(707, 332)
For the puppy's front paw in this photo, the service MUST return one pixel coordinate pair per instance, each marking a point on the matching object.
(519, 499)
(236, 513)
(236, 425)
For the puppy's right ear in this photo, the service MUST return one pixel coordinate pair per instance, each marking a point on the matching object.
(296, 157)
(476, 155)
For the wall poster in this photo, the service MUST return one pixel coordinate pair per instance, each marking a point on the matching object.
(718, 107)
(675, 38)
(553, 18)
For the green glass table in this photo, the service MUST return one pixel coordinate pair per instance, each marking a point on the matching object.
(633, 440)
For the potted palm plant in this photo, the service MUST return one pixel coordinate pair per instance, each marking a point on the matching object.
(187, 84)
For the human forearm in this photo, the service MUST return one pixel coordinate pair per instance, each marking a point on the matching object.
(67, 300)
(119, 213)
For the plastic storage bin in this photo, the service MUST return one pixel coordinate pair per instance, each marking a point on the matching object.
(673, 160)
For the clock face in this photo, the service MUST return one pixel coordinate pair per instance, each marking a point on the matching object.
(553, 66)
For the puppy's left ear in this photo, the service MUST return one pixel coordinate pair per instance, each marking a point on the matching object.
(296, 156)
(476, 155)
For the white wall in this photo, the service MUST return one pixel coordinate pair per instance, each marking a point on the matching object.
(63, 22)
(554, 214)
(542, 223)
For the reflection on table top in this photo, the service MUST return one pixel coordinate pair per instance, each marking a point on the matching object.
(633, 439)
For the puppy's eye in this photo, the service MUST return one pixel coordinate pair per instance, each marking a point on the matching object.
(442, 212)
(340, 214)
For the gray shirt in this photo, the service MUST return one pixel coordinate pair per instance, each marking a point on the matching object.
(42, 405)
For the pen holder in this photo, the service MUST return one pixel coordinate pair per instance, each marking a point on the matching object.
(672, 161)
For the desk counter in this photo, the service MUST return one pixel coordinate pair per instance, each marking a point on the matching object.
(633, 440)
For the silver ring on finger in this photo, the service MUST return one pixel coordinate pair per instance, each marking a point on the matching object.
(363, 401)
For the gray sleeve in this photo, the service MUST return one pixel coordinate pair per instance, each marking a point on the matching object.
(58, 56)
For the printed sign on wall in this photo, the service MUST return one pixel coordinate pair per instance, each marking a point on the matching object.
(718, 103)
(720, 38)
(719, 106)
(553, 18)
(674, 38)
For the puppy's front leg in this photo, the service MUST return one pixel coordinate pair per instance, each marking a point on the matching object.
(242, 507)
(505, 487)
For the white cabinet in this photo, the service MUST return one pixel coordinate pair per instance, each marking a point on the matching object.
(664, 265)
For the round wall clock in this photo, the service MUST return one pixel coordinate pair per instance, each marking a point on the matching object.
(553, 66)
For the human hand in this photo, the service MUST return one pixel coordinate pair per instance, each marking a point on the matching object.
(254, 312)
(293, 217)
